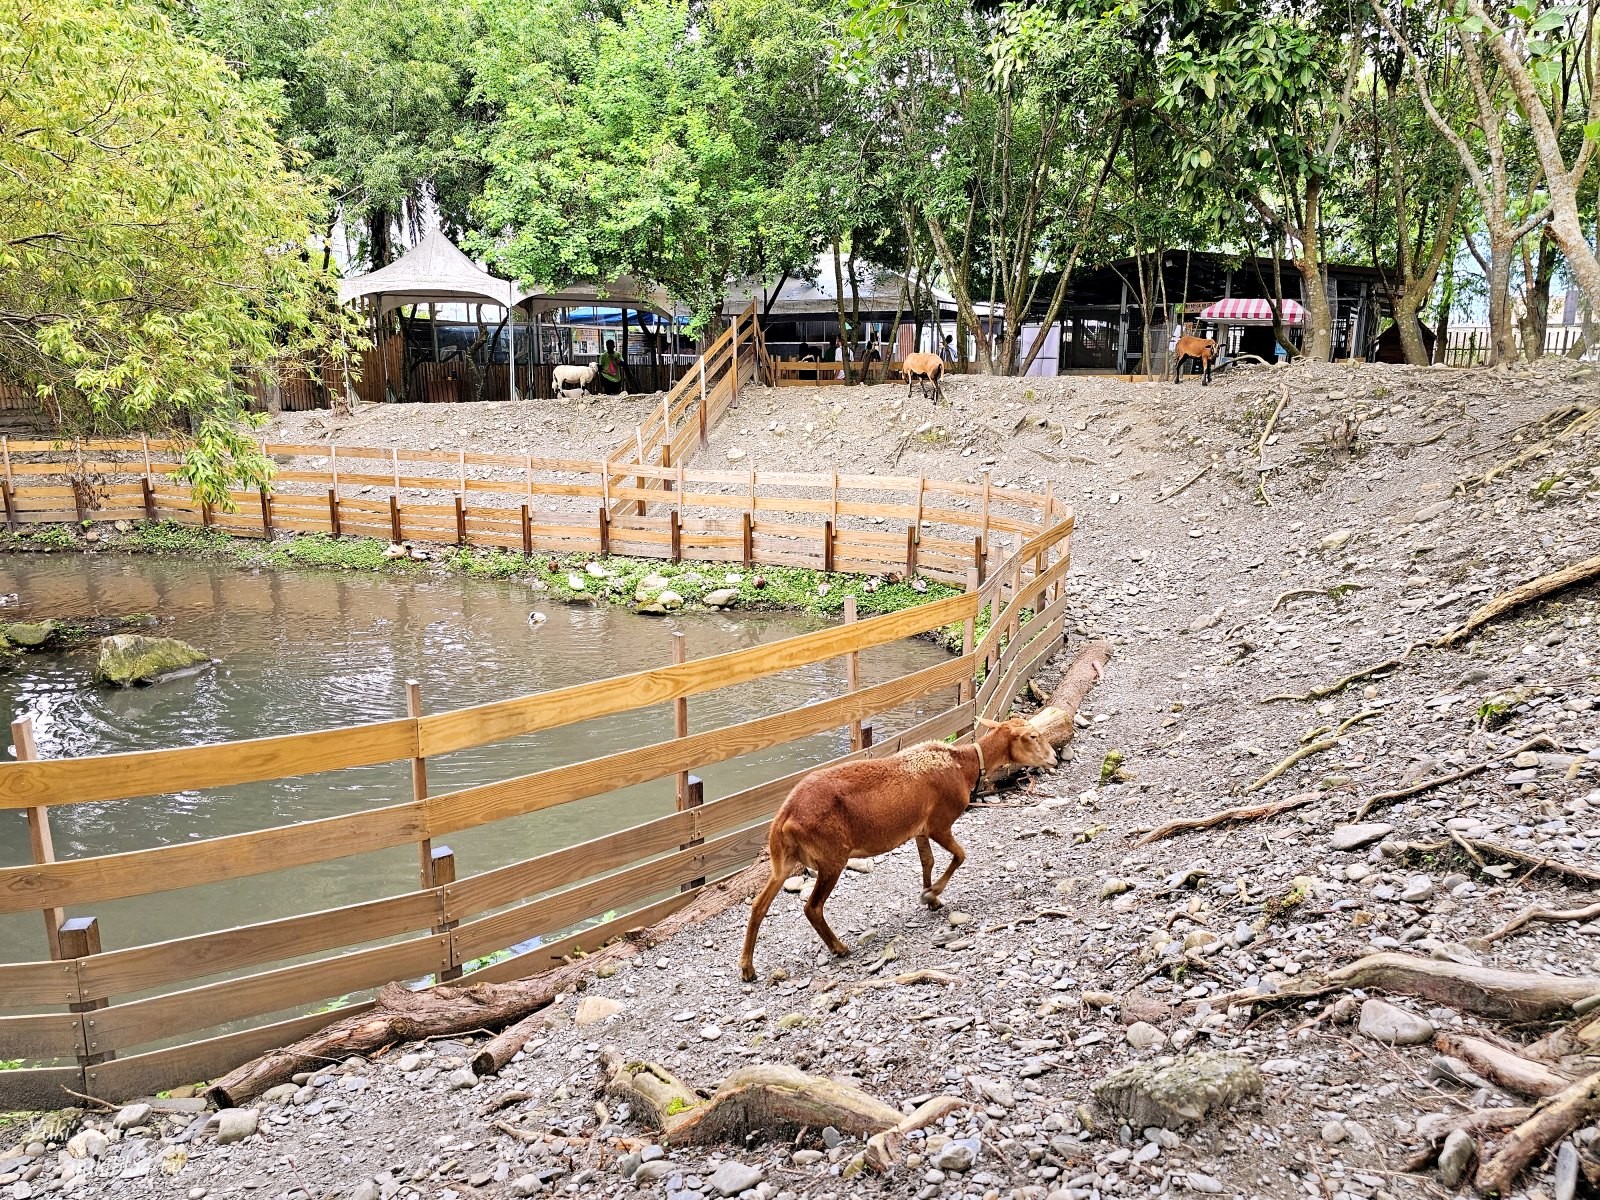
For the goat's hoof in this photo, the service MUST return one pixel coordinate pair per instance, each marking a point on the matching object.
(747, 972)
(931, 899)
(840, 950)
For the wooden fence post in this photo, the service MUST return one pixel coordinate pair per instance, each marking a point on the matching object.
(852, 672)
(79, 937)
(749, 541)
(696, 797)
(827, 549)
(680, 717)
(638, 480)
(266, 513)
(11, 505)
(702, 406)
(5, 456)
(733, 375)
(333, 511)
(527, 533)
(911, 551)
(394, 462)
(395, 534)
(443, 865)
(39, 839)
(419, 783)
(461, 522)
(605, 532)
(675, 534)
(969, 631)
(978, 556)
(149, 499)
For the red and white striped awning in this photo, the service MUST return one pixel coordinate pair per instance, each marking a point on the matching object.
(1252, 310)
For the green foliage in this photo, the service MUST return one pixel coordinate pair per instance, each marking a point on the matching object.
(153, 255)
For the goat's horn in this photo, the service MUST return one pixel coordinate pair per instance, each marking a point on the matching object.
(988, 724)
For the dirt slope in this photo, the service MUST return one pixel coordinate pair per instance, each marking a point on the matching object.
(1062, 932)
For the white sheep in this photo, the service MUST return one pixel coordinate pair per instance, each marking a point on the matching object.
(567, 377)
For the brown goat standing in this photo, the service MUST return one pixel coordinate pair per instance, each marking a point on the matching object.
(925, 368)
(861, 809)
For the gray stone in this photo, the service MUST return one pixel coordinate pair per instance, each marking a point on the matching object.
(366, 1190)
(1204, 1183)
(131, 1116)
(731, 1178)
(1455, 1158)
(127, 659)
(958, 1155)
(408, 1062)
(1174, 1092)
(1384, 1022)
(831, 1137)
(1142, 1035)
(281, 1094)
(32, 635)
(651, 1153)
(1334, 1132)
(526, 1185)
(462, 1079)
(90, 1143)
(1566, 1181)
(1353, 837)
(236, 1124)
(807, 1158)
(721, 598)
(652, 1171)
(1418, 888)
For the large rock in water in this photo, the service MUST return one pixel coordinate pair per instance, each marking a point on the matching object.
(130, 658)
(31, 635)
(1171, 1092)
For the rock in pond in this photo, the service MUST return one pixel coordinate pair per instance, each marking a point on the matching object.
(721, 598)
(30, 635)
(131, 658)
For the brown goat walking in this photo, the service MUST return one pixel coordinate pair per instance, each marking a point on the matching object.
(860, 809)
(1204, 351)
(925, 368)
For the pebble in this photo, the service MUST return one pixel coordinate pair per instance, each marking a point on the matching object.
(132, 1116)
(957, 1155)
(407, 1063)
(1455, 1158)
(731, 1178)
(1566, 1180)
(1204, 1183)
(1393, 1026)
(236, 1124)
(1334, 1132)
(710, 1033)
(807, 1158)
(1142, 1035)
(594, 1009)
(1418, 888)
(462, 1079)
(1353, 837)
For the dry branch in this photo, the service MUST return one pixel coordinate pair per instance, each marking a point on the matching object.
(1317, 747)
(1454, 777)
(883, 1148)
(403, 1015)
(502, 1048)
(1247, 813)
(1436, 1127)
(1551, 1121)
(1537, 589)
(1477, 850)
(1322, 693)
(1261, 442)
(1486, 991)
(1184, 486)
(1534, 913)
(1502, 1067)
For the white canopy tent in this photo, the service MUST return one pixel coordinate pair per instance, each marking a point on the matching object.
(435, 271)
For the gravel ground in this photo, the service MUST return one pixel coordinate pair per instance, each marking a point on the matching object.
(1074, 951)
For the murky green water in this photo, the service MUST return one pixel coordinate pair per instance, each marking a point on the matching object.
(313, 650)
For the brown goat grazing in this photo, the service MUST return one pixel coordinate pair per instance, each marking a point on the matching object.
(859, 809)
(925, 369)
(1202, 350)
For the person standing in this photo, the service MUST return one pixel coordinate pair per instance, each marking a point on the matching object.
(611, 369)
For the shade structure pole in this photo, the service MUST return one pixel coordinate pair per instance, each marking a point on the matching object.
(511, 355)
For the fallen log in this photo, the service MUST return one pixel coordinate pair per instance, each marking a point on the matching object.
(403, 1015)
(1247, 813)
(765, 1098)
(1502, 1067)
(1057, 720)
(1536, 589)
(1486, 991)
(503, 1047)
(1552, 1120)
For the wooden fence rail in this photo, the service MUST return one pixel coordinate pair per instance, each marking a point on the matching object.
(102, 1022)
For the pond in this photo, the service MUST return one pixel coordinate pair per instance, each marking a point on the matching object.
(317, 649)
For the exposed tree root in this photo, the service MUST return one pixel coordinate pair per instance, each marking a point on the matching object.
(1184, 486)
(1266, 432)
(1317, 747)
(1435, 1128)
(403, 1015)
(764, 1099)
(1534, 913)
(1247, 813)
(1322, 693)
(1505, 995)
(1425, 785)
(884, 1148)
(1502, 1067)
(1336, 591)
(1537, 589)
(1551, 1120)
(1478, 850)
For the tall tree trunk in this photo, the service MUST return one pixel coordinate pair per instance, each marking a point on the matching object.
(838, 289)
(380, 246)
(1538, 267)
(1502, 329)
(1406, 307)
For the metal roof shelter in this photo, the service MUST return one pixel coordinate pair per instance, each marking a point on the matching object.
(1252, 312)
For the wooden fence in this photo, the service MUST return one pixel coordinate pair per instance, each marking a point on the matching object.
(101, 1021)
(788, 372)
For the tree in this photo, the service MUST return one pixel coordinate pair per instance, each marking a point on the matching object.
(154, 254)
(626, 146)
